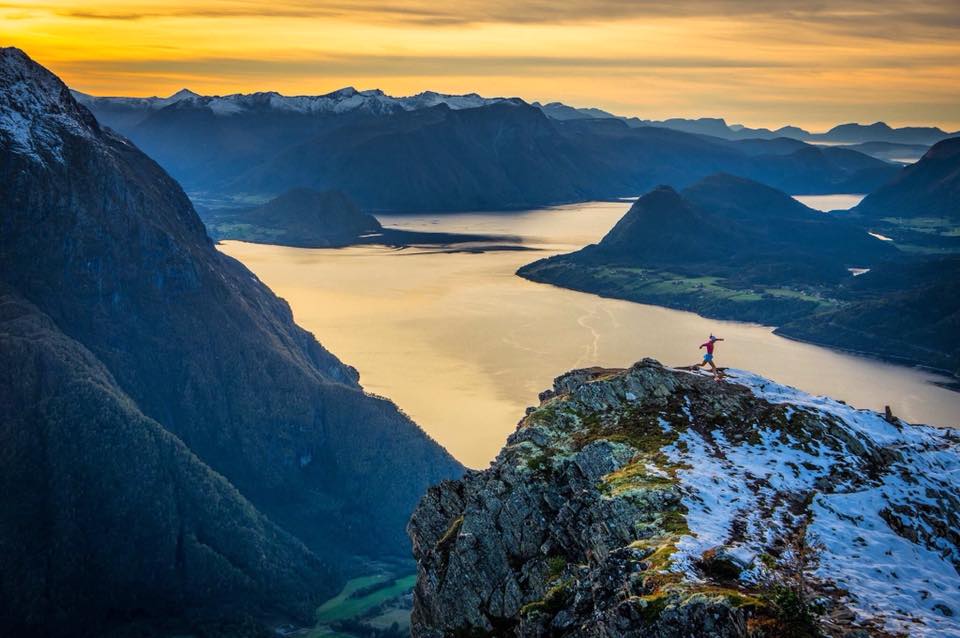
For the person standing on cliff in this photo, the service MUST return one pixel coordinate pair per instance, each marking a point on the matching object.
(710, 344)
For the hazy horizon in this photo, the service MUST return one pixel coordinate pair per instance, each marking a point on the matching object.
(806, 64)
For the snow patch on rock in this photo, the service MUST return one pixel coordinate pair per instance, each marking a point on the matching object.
(36, 109)
(741, 496)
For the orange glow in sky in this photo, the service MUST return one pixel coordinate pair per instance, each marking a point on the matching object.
(771, 63)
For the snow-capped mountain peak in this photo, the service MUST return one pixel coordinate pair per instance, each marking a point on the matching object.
(347, 99)
(37, 110)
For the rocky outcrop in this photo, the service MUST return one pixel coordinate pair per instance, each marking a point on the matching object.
(657, 502)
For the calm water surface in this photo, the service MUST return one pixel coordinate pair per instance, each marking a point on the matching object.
(829, 202)
(463, 345)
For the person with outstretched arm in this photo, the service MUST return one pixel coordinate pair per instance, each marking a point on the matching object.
(710, 344)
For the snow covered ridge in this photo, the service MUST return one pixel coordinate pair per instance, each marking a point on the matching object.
(36, 109)
(632, 502)
(342, 101)
(885, 503)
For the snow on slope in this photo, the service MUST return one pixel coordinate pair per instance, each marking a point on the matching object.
(341, 101)
(34, 122)
(739, 496)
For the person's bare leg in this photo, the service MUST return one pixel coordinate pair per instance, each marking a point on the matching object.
(716, 371)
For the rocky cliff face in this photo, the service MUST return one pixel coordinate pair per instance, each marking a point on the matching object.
(656, 502)
(171, 441)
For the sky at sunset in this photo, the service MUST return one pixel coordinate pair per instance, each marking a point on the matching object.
(812, 64)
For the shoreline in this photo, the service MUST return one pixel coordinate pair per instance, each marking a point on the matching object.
(952, 382)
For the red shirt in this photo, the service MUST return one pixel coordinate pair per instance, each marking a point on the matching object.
(709, 346)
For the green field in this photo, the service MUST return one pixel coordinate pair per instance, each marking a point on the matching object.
(343, 606)
(656, 282)
(923, 235)
(241, 231)
(930, 225)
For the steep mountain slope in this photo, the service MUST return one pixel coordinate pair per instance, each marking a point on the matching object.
(779, 226)
(100, 240)
(907, 311)
(503, 155)
(929, 188)
(299, 217)
(730, 227)
(656, 502)
(207, 140)
(510, 155)
(813, 169)
(107, 517)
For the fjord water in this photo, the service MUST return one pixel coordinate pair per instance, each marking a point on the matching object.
(829, 202)
(463, 345)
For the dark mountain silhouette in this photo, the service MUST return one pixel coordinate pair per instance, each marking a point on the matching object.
(929, 188)
(299, 217)
(105, 515)
(734, 228)
(500, 156)
(890, 151)
(905, 311)
(560, 111)
(883, 132)
(466, 153)
(813, 169)
(841, 134)
(779, 227)
(178, 446)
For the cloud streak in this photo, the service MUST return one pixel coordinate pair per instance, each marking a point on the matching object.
(881, 18)
(784, 60)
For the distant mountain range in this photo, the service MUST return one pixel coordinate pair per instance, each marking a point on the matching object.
(850, 133)
(840, 134)
(439, 152)
(125, 111)
(173, 445)
(110, 110)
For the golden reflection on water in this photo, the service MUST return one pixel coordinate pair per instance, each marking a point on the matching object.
(463, 345)
(827, 203)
